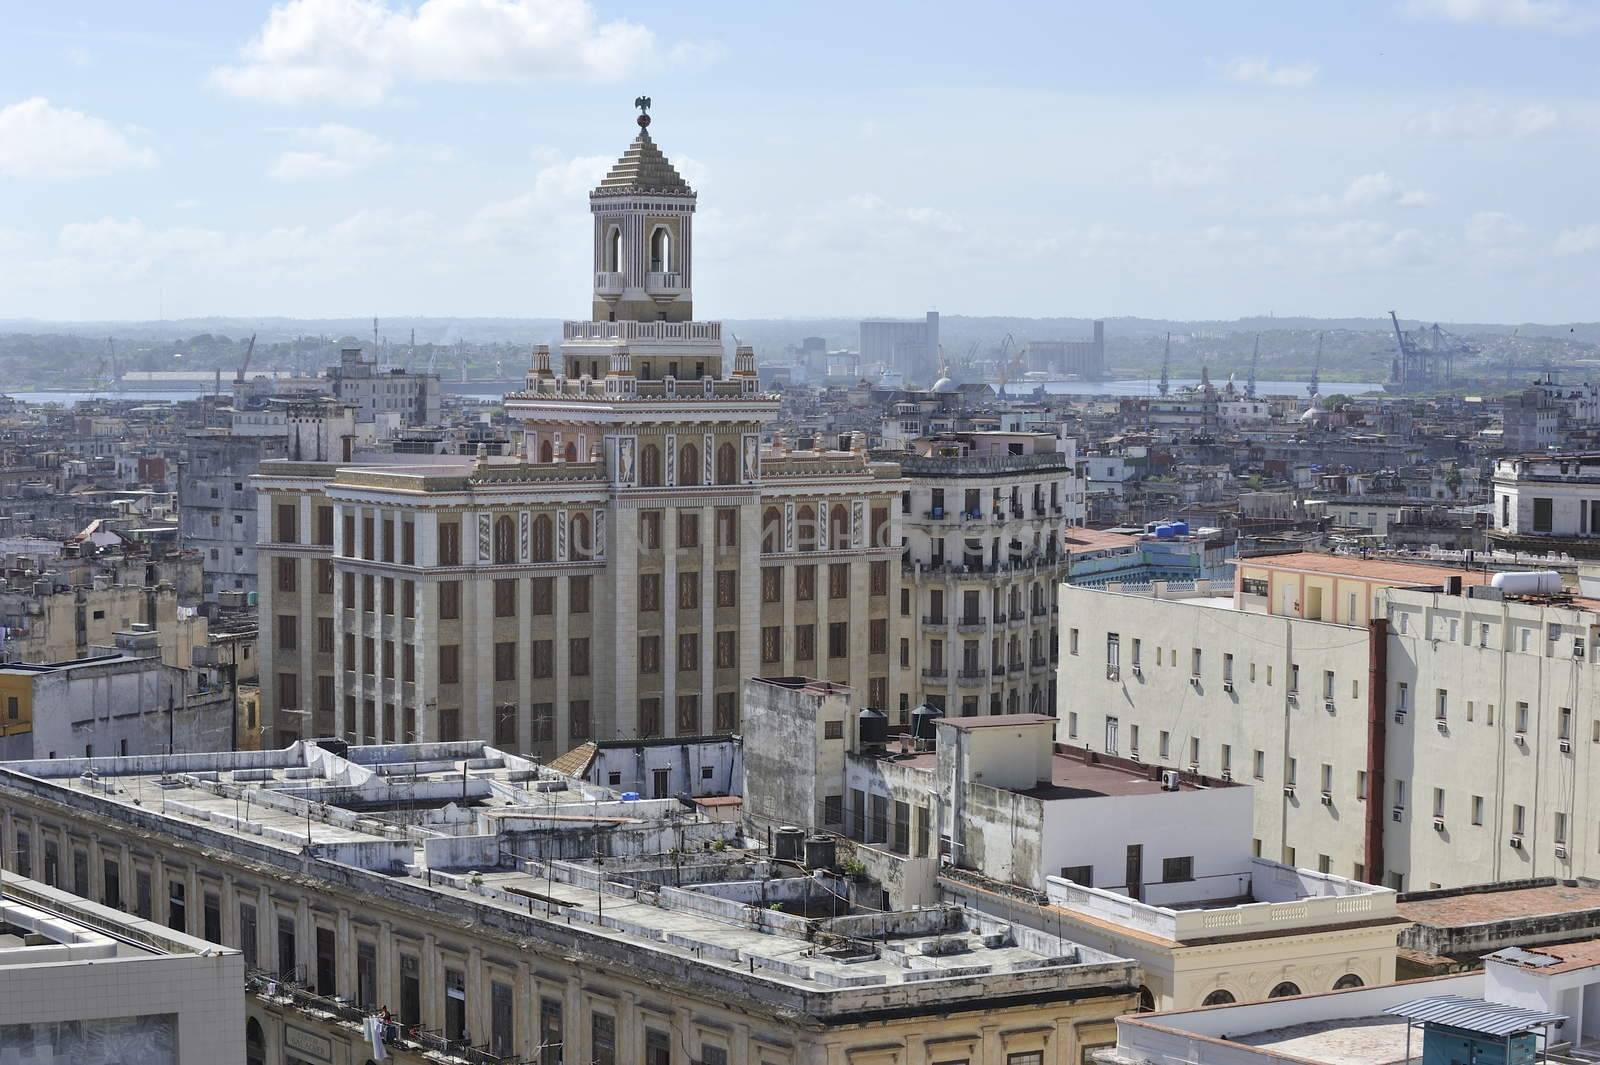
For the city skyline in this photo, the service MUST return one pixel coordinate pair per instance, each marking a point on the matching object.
(333, 157)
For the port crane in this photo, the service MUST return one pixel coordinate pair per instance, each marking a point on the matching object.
(1315, 384)
(1166, 367)
(244, 366)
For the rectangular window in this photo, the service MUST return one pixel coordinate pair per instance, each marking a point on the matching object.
(602, 1039)
(1175, 870)
(505, 661)
(505, 597)
(649, 592)
(727, 587)
(771, 584)
(878, 579)
(1522, 717)
(577, 594)
(838, 580)
(689, 590)
(805, 583)
(1477, 809)
(449, 543)
(727, 527)
(805, 642)
(287, 574)
(725, 712)
(688, 652)
(726, 654)
(450, 664)
(1518, 819)
(449, 600)
(650, 654)
(288, 523)
(650, 530)
(838, 639)
(1258, 765)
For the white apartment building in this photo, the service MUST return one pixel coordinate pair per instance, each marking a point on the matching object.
(1551, 497)
(1400, 724)
(90, 985)
(988, 812)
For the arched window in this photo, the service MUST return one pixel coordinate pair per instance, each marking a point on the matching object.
(255, 1043)
(572, 452)
(660, 250)
(614, 249)
(839, 527)
(805, 521)
(727, 464)
(1147, 1000)
(772, 530)
(650, 466)
(544, 540)
(1284, 990)
(688, 464)
(1348, 980)
(580, 542)
(505, 539)
(1219, 997)
(546, 454)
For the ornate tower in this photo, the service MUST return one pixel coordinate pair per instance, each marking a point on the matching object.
(643, 236)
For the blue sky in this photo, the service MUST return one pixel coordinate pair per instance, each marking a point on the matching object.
(349, 157)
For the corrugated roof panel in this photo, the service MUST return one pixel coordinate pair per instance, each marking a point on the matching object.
(1473, 1014)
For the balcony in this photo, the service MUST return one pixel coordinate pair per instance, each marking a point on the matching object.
(608, 283)
(1014, 667)
(1037, 666)
(663, 283)
(935, 674)
(285, 992)
(972, 678)
(934, 619)
(971, 624)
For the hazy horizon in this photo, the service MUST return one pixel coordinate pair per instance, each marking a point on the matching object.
(317, 158)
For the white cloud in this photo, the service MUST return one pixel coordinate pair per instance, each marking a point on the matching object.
(1364, 191)
(1494, 229)
(544, 209)
(1261, 71)
(1171, 172)
(1556, 15)
(40, 140)
(1484, 119)
(1579, 240)
(329, 151)
(356, 51)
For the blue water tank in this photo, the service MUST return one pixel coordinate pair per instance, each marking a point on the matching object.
(1165, 531)
(630, 796)
(1181, 528)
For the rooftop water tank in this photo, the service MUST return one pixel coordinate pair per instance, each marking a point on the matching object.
(630, 796)
(1528, 582)
(789, 844)
(873, 726)
(924, 720)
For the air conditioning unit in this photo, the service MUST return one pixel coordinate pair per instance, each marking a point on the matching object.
(1113, 673)
(1195, 681)
(1138, 671)
(1566, 746)
(1194, 767)
(1133, 755)
(1438, 824)
(1520, 740)
(1399, 814)
(1577, 648)
(1327, 798)
(1561, 852)
(1227, 685)
(1329, 705)
(1399, 717)
(1294, 697)
(1443, 726)
(1169, 780)
(1227, 774)
(1515, 843)
(1288, 791)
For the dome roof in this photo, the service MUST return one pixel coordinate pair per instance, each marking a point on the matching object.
(944, 384)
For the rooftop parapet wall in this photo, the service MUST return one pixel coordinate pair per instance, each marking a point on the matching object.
(1303, 900)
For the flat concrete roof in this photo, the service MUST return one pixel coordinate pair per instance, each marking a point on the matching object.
(1344, 1041)
(967, 724)
(1369, 569)
(1489, 907)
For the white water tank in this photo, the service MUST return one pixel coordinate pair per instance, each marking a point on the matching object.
(1528, 582)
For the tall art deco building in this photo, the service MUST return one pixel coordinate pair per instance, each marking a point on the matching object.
(620, 576)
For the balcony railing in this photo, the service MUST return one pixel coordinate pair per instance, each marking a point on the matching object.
(663, 281)
(608, 283)
(934, 674)
(933, 619)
